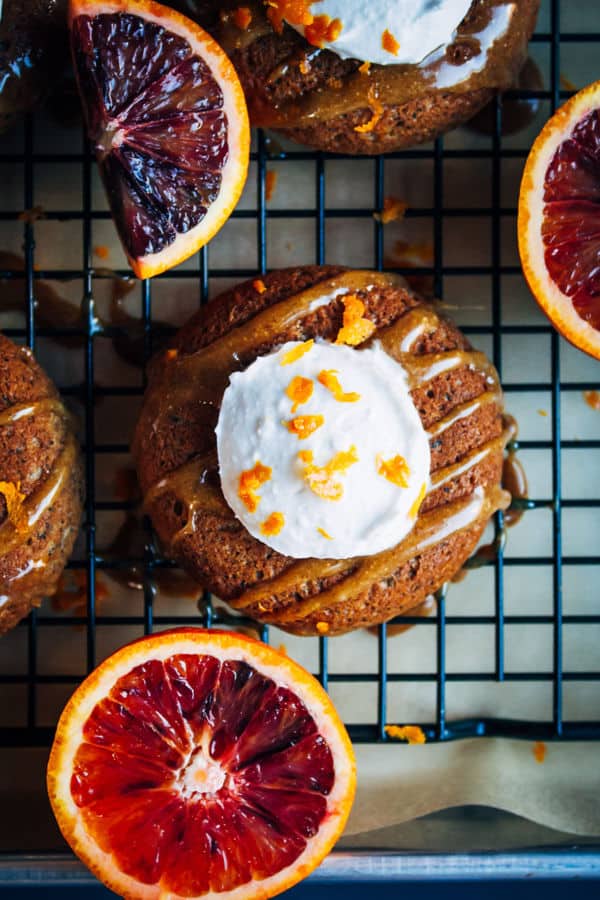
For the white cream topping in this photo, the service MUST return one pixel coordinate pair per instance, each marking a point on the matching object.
(418, 26)
(373, 513)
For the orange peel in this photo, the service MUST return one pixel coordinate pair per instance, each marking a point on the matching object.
(328, 378)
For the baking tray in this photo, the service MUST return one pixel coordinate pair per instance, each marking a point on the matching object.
(46, 163)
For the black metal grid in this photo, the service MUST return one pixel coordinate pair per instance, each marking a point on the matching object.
(441, 729)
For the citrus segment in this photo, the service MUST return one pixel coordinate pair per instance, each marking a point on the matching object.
(167, 119)
(559, 219)
(194, 762)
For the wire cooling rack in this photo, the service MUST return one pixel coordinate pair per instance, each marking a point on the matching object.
(36, 633)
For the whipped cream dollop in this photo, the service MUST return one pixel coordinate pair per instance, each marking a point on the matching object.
(322, 452)
(386, 31)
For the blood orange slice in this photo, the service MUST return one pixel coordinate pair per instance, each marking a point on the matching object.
(167, 118)
(193, 763)
(559, 220)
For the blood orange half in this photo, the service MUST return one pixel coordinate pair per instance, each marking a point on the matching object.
(194, 763)
(167, 119)
(559, 220)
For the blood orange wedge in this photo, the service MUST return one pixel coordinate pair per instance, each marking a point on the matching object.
(194, 763)
(167, 119)
(559, 220)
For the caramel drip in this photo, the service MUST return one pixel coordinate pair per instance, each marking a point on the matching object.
(464, 411)
(23, 410)
(31, 576)
(191, 484)
(216, 362)
(41, 499)
(487, 51)
(203, 376)
(514, 479)
(470, 460)
(430, 528)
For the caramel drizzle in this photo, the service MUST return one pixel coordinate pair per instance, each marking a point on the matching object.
(430, 529)
(487, 51)
(39, 501)
(207, 370)
(24, 410)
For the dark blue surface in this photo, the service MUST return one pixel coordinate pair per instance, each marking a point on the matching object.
(524, 889)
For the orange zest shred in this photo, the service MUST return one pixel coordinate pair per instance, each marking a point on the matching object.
(296, 353)
(320, 479)
(592, 398)
(389, 42)
(395, 470)
(304, 66)
(355, 328)
(539, 751)
(259, 286)
(304, 426)
(364, 69)
(249, 483)
(566, 83)
(542, 413)
(101, 251)
(324, 534)
(414, 510)
(16, 513)
(377, 110)
(328, 378)
(272, 524)
(299, 390)
(322, 29)
(296, 12)
(172, 354)
(392, 209)
(242, 17)
(270, 182)
(412, 734)
(322, 627)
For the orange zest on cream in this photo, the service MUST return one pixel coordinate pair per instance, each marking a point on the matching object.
(299, 390)
(395, 470)
(324, 534)
(364, 68)
(355, 328)
(320, 479)
(323, 29)
(296, 353)
(296, 12)
(249, 483)
(304, 426)
(412, 734)
(328, 378)
(13, 497)
(414, 510)
(272, 524)
(389, 42)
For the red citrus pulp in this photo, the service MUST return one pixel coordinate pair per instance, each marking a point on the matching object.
(194, 763)
(167, 119)
(559, 219)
